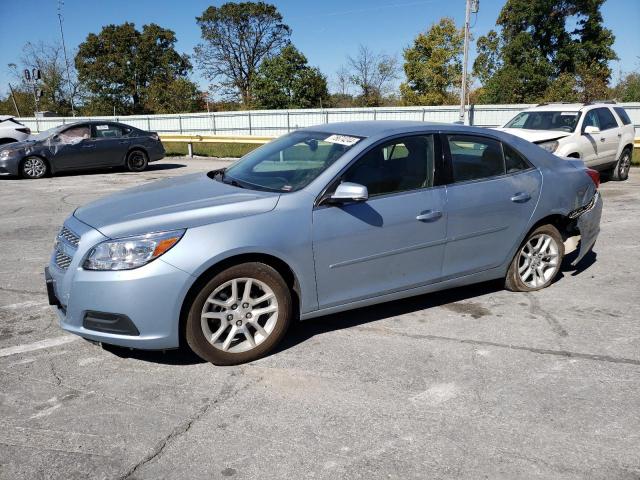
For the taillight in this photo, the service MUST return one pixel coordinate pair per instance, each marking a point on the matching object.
(155, 136)
(595, 176)
(24, 130)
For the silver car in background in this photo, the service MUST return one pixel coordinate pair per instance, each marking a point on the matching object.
(322, 220)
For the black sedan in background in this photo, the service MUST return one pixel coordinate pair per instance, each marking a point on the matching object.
(79, 146)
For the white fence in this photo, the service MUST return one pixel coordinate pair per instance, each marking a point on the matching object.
(278, 122)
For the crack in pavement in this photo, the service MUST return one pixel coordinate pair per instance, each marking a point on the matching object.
(535, 308)
(486, 343)
(226, 392)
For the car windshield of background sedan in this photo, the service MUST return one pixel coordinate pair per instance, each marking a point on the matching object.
(563, 121)
(288, 163)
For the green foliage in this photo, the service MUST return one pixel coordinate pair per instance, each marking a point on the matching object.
(177, 96)
(433, 65)
(287, 81)
(219, 150)
(120, 66)
(236, 38)
(628, 88)
(536, 55)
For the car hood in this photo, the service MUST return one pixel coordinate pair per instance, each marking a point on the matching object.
(181, 202)
(535, 136)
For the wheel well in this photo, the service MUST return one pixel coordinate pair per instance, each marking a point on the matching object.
(274, 262)
(628, 146)
(564, 224)
(574, 155)
(136, 149)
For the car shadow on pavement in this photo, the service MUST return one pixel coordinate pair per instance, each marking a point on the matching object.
(101, 171)
(180, 356)
(302, 331)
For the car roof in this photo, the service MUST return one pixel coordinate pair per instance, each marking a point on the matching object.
(567, 107)
(383, 128)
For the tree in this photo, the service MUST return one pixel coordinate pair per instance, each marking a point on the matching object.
(287, 81)
(536, 55)
(372, 73)
(628, 88)
(433, 65)
(120, 65)
(56, 91)
(177, 96)
(237, 37)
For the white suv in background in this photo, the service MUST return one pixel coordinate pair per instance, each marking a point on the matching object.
(601, 134)
(12, 130)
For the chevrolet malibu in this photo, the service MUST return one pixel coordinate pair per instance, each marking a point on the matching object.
(322, 220)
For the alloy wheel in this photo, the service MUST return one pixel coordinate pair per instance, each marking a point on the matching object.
(538, 261)
(624, 166)
(239, 315)
(34, 167)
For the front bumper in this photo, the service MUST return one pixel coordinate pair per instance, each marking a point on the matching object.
(149, 297)
(9, 166)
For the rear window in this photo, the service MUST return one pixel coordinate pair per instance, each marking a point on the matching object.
(623, 115)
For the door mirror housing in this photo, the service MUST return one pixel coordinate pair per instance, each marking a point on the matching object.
(591, 130)
(348, 192)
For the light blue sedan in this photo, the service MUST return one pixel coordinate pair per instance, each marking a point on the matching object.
(322, 220)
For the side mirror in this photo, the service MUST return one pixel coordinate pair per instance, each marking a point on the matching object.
(348, 192)
(591, 130)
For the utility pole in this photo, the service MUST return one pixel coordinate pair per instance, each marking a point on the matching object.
(465, 61)
(13, 97)
(66, 60)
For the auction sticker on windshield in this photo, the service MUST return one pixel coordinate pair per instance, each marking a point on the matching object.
(342, 140)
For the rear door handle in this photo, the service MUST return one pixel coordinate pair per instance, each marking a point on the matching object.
(521, 197)
(429, 216)
(89, 146)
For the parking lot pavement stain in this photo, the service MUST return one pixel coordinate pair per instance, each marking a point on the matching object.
(468, 308)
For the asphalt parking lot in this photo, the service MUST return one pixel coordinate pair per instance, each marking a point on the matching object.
(471, 383)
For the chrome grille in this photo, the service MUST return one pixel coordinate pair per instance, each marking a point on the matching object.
(62, 260)
(70, 237)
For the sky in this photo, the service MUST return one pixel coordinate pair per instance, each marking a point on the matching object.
(325, 31)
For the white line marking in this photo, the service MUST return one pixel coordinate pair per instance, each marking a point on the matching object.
(29, 347)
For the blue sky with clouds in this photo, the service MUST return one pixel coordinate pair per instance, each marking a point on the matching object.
(325, 31)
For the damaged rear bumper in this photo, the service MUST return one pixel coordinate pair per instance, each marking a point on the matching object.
(587, 220)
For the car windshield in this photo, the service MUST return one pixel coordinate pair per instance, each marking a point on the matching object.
(289, 163)
(545, 120)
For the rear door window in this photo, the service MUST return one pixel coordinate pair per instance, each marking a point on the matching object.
(623, 115)
(475, 158)
(514, 162)
(606, 118)
(107, 131)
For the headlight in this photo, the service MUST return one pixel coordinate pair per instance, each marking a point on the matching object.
(549, 146)
(131, 252)
(6, 153)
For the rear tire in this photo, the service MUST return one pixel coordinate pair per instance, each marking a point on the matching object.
(137, 161)
(33, 167)
(228, 324)
(621, 171)
(537, 261)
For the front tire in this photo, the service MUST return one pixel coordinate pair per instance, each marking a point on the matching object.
(33, 167)
(239, 315)
(137, 161)
(621, 171)
(537, 261)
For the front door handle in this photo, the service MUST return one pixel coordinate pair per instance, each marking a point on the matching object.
(521, 197)
(429, 216)
(602, 139)
(89, 146)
